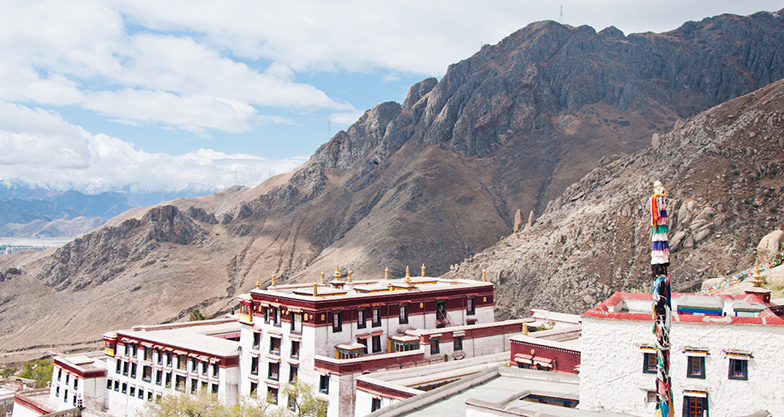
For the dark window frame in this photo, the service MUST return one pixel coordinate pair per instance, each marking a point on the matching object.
(295, 346)
(402, 314)
(435, 346)
(376, 317)
(376, 343)
(695, 406)
(458, 343)
(739, 369)
(273, 371)
(272, 395)
(324, 384)
(471, 306)
(695, 367)
(337, 321)
(361, 318)
(649, 365)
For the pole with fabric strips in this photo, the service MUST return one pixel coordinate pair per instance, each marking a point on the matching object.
(662, 314)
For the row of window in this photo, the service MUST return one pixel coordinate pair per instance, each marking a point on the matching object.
(169, 359)
(738, 368)
(75, 398)
(274, 345)
(132, 390)
(202, 367)
(67, 378)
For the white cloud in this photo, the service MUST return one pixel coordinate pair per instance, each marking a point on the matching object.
(41, 145)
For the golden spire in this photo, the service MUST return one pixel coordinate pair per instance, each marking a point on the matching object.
(484, 275)
(525, 328)
(258, 282)
(423, 270)
(315, 288)
(337, 272)
(349, 275)
(322, 277)
(274, 281)
(756, 277)
(408, 276)
(386, 273)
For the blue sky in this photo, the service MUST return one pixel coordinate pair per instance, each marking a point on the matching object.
(177, 92)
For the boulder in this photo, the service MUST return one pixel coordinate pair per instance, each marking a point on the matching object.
(518, 222)
(769, 246)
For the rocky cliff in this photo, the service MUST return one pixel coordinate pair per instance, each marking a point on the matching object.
(432, 180)
(724, 172)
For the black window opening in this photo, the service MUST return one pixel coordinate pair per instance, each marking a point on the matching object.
(254, 366)
(337, 321)
(158, 377)
(361, 319)
(324, 384)
(133, 370)
(275, 316)
(295, 349)
(441, 319)
(146, 373)
(434, 346)
(256, 340)
(124, 388)
(458, 345)
(214, 388)
(215, 369)
(117, 385)
(272, 395)
(376, 344)
(403, 314)
(739, 369)
(274, 371)
(291, 402)
(125, 368)
(696, 367)
(695, 406)
(180, 383)
(253, 387)
(296, 322)
(376, 317)
(649, 363)
(293, 370)
(363, 342)
(140, 394)
(132, 391)
(275, 346)
(375, 405)
(194, 386)
(470, 306)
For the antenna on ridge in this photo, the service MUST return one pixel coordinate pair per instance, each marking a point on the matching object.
(329, 128)
(560, 18)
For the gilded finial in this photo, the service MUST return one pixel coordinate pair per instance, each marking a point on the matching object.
(408, 276)
(484, 275)
(322, 277)
(386, 273)
(258, 282)
(423, 270)
(525, 328)
(274, 281)
(349, 275)
(756, 276)
(315, 289)
(337, 272)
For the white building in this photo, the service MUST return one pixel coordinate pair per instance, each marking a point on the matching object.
(726, 356)
(329, 334)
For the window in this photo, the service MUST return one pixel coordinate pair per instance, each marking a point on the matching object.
(133, 370)
(158, 377)
(215, 369)
(149, 396)
(324, 384)
(441, 319)
(695, 406)
(117, 385)
(291, 403)
(337, 321)
(739, 369)
(108, 384)
(375, 405)
(376, 316)
(274, 346)
(403, 314)
(272, 395)
(148, 354)
(182, 361)
(295, 349)
(214, 388)
(132, 391)
(57, 391)
(134, 350)
(296, 322)
(124, 388)
(361, 318)
(204, 366)
(118, 368)
(376, 344)
(651, 397)
(125, 369)
(140, 394)
(194, 385)
(256, 341)
(159, 356)
(169, 358)
(59, 374)
(274, 317)
(293, 374)
(266, 314)
(649, 363)
(194, 365)
(67, 378)
(458, 343)
(65, 396)
(363, 342)
(274, 371)
(254, 366)
(146, 373)
(696, 367)
(76, 383)
(180, 383)
(253, 387)
(127, 349)
(470, 306)
(168, 379)
(434, 347)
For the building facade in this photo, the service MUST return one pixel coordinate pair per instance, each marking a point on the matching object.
(725, 358)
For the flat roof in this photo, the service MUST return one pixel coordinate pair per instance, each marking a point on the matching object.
(629, 306)
(368, 288)
(199, 336)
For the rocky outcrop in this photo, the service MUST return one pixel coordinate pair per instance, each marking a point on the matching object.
(723, 172)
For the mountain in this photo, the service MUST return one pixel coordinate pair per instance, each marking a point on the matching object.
(724, 174)
(433, 180)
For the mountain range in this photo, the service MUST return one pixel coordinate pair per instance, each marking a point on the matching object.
(565, 122)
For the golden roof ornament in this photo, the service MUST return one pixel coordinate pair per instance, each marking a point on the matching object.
(337, 272)
(525, 328)
(315, 289)
(274, 281)
(386, 273)
(756, 276)
(258, 282)
(408, 276)
(423, 270)
(484, 275)
(322, 277)
(349, 275)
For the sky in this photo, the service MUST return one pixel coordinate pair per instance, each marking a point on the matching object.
(231, 92)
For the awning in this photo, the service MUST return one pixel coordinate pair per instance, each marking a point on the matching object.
(523, 358)
(543, 361)
(696, 352)
(695, 394)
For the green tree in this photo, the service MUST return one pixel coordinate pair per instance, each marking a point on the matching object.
(307, 405)
(39, 369)
(196, 315)
(201, 405)
(6, 372)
